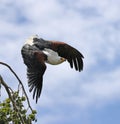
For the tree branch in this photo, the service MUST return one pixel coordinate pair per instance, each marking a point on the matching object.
(11, 98)
(20, 82)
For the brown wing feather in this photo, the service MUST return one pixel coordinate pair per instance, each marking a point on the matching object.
(35, 69)
(35, 74)
(73, 56)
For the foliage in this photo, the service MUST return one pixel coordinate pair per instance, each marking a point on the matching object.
(9, 114)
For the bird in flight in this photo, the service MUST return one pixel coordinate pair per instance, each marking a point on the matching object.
(37, 51)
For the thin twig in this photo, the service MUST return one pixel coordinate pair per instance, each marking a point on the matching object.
(19, 82)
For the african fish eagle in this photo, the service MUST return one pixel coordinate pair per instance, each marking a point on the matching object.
(37, 51)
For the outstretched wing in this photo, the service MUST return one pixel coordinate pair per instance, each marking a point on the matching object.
(35, 70)
(73, 56)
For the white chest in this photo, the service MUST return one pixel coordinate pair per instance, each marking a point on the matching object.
(52, 57)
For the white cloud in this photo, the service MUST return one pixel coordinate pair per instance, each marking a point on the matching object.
(104, 88)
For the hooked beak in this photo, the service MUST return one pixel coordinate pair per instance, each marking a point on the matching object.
(63, 59)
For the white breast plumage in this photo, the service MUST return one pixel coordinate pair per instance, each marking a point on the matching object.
(53, 57)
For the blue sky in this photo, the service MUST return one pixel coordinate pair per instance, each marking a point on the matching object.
(91, 26)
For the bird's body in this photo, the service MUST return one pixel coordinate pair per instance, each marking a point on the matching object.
(37, 51)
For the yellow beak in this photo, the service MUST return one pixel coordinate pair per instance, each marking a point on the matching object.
(63, 59)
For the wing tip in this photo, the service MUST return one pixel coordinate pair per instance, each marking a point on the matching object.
(35, 83)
